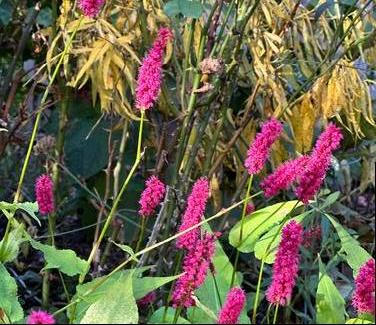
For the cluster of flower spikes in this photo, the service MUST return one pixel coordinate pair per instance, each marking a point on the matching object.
(40, 317)
(259, 150)
(193, 214)
(151, 196)
(150, 72)
(364, 296)
(230, 312)
(90, 8)
(286, 264)
(196, 265)
(310, 180)
(44, 192)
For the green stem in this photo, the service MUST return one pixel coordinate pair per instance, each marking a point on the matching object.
(38, 115)
(177, 314)
(140, 237)
(255, 304)
(116, 202)
(275, 314)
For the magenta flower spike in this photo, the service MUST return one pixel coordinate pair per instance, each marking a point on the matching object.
(45, 194)
(230, 312)
(364, 296)
(193, 214)
(152, 196)
(286, 265)
(90, 8)
(315, 169)
(259, 150)
(150, 72)
(40, 317)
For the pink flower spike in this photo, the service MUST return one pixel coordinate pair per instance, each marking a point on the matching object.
(147, 300)
(284, 176)
(152, 195)
(315, 169)
(230, 312)
(259, 150)
(196, 265)
(90, 8)
(364, 296)
(286, 264)
(193, 214)
(40, 317)
(150, 73)
(45, 194)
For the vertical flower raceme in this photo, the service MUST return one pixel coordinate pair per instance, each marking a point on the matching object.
(283, 176)
(259, 150)
(230, 312)
(150, 73)
(286, 264)
(364, 297)
(45, 194)
(90, 8)
(40, 317)
(152, 195)
(196, 265)
(315, 169)
(193, 213)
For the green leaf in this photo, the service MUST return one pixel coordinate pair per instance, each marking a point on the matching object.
(330, 305)
(142, 286)
(6, 10)
(351, 251)
(330, 199)
(263, 243)
(188, 8)
(9, 249)
(126, 249)
(157, 317)
(258, 223)
(207, 293)
(359, 321)
(45, 17)
(9, 304)
(116, 305)
(30, 207)
(65, 260)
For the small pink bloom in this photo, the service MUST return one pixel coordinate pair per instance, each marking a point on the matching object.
(312, 236)
(152, 195)
(40, 317)
(90, 8)
(147, 300)
(193, 213)
(45, 194)
(315, 169)
(196, 265)
(284, 176)
(286, 264)
(249, 208)
(364, 297)
(230, 312)
(259, 150)
(150, 73)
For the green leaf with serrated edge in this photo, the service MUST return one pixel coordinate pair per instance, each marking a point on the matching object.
(258, 223)
(160, 317)
(117, 305)
(9, 249)
(65, 260)
(207, 293)
(29, 207)
(330, 305)
(9, 304)
(263, 243)
(351, 251)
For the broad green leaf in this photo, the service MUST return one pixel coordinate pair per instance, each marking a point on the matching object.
(9, 249)
(258, 223)
(30, 207)
(188, 8)
(207, 293)
(142, 286)
(330, 305)
(359, 321)
(160, 317)
(116, 306)
(65, 260)
(351, 250)
(270, 238)
(9, 304)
